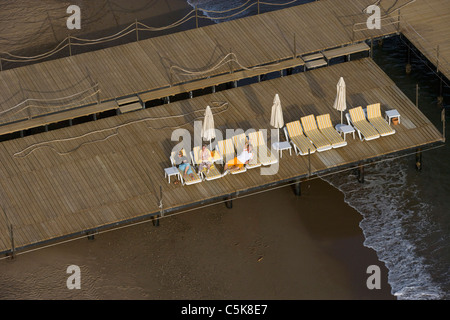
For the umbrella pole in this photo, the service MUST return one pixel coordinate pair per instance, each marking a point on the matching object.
(342, 118)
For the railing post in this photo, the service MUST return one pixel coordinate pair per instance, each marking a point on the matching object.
(437, 59)
(137, 31)
(443, 123)
(398, 20)
(231, 61)
(196, 16)
(309, 162)
(295, 47)
(70, 45)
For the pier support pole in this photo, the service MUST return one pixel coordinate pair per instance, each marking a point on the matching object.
(229, 202)
(417, 95)
(155, 220)
(440, 98)
(361, 173)
(408, 63)
(298, 188)
(419, 159)
(13, 249)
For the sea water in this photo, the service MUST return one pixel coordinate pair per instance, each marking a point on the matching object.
(406, 213)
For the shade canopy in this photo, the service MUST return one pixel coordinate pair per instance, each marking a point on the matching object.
(208, 131)
(276, 119)
(340, 103)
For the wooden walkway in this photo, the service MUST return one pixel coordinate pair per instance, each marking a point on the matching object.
(426, 24)
(149, 66)
(100, 174)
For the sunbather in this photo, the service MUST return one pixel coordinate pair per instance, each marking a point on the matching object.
(184, 165)
(243, 158)
(204, 156)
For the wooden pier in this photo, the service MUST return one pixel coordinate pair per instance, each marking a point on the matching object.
(426, 24)
(100, 174)
(171, 63)
(97, 175)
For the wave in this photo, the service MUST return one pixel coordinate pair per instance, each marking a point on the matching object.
(395, 224)
(220, 11)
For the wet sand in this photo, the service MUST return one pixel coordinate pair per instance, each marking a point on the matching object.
(272, 245)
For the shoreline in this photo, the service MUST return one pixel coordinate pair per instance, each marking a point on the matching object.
(310, 249)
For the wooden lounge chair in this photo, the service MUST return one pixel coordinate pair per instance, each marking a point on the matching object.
(226, 148)
(325, 126)
(239, 141)
(185, 180)
(312, 132)
(265, 156)
(376, 120)
(213, 173)
(294, 134)
(357, 119)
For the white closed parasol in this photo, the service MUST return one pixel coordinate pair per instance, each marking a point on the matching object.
(340, 104)
(208, 131)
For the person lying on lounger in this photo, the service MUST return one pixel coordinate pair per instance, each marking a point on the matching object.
(204, 156)
(184, 165)
(242, 159)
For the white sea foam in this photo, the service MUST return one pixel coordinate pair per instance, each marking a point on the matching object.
(394, 224)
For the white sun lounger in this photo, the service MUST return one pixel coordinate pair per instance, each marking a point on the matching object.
(357, 119)
(294, 134)
(376, 120)
(186, 180)
(327, 129)
(312, 132)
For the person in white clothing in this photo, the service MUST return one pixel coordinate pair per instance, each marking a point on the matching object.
(242, 159)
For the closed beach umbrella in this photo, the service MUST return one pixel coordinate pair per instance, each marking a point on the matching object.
(208, 132)
(276, 118)
(340, 104)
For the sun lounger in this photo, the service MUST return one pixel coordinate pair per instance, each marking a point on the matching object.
(294, 134)
(376, 120)
(213, 172)
(226, 148)
(239, 142)
(357, 119)
(265, 156)
(325, 126)
(312, 132)
(186, 180)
